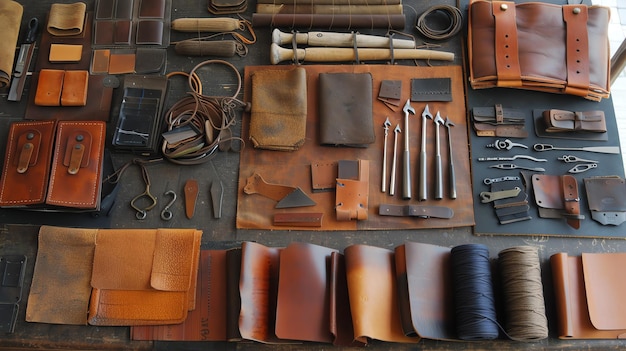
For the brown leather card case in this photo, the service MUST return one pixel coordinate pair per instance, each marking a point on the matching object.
(27, 163)
(345, 109)
(279, 109)
(76, 172)
(589, 295)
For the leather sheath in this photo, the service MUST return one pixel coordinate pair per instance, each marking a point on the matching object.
(76, 171)
(393, 21)
(607, 199)
(279, 109)
(557, 197)
(415, 211)
(27, 163)
(191, 196)
(11, 20)
(66, 19)
(569, 121)
(539, 46)
(589, 298)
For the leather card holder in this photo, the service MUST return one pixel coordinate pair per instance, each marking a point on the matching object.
(431, 89)
(49, 87)
(27, 162)
(76, 172)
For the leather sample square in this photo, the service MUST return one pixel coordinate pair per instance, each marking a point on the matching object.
(105, 9)
(100, 61)
(104, 33)
(123, 31)
(152, 9)
(75, 85)
(49, 87)
(65, 53)
(121, 63)
(124, 9)
(150, 32)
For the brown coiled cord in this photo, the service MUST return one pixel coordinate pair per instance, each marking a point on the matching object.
(454, 16)
(211, 116)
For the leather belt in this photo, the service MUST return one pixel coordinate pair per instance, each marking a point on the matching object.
(568, 121)
(416, 211)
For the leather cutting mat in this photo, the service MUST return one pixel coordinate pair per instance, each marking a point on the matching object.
(294, 168)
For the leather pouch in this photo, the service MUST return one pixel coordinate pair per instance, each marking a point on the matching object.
(607, 199)
(567, 121)
(345, 109)
(539, 46)
(589, 295)
(66, 19)
(279, 109)
(146, 278)
(27, 164)
(557, 197)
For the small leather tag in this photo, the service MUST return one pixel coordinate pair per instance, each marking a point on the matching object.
(191, 195)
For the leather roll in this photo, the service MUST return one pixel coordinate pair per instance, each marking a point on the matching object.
(10, 20)
(329, 9)
(328, 21)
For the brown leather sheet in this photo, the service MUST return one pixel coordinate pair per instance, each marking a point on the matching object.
(294, 168)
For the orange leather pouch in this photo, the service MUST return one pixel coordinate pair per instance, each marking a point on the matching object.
(75, 176)
(27, 164)
(49, 87)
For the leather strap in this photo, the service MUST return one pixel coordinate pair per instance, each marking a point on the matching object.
(571, 201)
(415, 211)
(191, 195)
(577, 46)
(302, 219)
(498, 121)
(506, 46)
(566, 121)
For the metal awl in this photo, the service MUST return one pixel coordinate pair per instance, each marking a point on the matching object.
(512, 158)
(423, 188)
(386, 126)
(599, 149)
(406, 178)
(514, 166)
(438, 170)
(392, 184)
(449, 124)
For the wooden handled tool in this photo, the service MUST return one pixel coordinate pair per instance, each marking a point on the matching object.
(340, 40)
(319, 54)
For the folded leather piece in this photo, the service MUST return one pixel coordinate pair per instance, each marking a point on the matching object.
(27, 163)
(539, 46)
(567, 121)
(60, 290)
(345, 108)
(557, 197)
(66, 19)
(607, 199)
(11, 20)
(589, 298)
(279, 109)
(498, 121)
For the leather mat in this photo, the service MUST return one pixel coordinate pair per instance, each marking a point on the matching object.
(293, 168)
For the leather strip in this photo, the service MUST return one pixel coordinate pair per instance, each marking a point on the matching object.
(577, 46)
(507, 59)
(191, 195)
(571, 200)
(415, 211)
(300, 219)
(566, 121)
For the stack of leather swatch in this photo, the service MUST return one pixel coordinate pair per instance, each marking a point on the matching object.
(114, 277)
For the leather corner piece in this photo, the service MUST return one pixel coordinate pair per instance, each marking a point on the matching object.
(49, 87)
(75, 86)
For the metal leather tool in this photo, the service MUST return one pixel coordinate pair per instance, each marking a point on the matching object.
(489, 196)
(423, 188)
(505, 144)
(582, 167)
(489, 181)
(512, 158)
(23, 61)
(452, 178)
(166, 213)
(514, 166)
(394, 162)
(406, 176)
(572, 159)
(386, 126)
(143, 212)
(598, 149)
(438, 170)
(287, 196)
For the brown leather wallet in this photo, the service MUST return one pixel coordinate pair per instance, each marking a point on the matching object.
(569, 121)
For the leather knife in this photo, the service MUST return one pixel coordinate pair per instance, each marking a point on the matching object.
(23, 61)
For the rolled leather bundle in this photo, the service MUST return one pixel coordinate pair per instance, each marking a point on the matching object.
(539, 46)
(10, 20)
(329, 22)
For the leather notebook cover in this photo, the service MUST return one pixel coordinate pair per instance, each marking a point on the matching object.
(373, 294)
(345, 108)
(60, 289)
(589, 295)
(303, 311)
(144, 278)
(76, 174)
(27, 163)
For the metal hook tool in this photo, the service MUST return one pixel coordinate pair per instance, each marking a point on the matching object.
(166, 214)
(142, 212)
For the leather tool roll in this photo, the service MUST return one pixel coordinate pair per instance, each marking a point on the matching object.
(10, 21)
(279, 108)
(66, 19)
(539, 46)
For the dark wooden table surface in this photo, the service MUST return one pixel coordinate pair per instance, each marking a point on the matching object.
(19, 229)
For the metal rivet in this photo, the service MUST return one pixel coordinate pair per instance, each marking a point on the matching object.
(28, 146)
(30, 136)
(576, 10)
(80, 137)
(77, 146)
(504, 7)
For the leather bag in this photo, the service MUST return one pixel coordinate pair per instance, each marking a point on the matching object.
(539, 46)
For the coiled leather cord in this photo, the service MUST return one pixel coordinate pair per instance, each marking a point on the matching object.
(211, 116)
(473, 293)
(455, 21)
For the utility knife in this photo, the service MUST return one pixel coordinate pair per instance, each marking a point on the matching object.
(23, 61)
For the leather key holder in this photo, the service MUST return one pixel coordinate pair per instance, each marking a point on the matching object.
(557, 197)
(568, 121)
